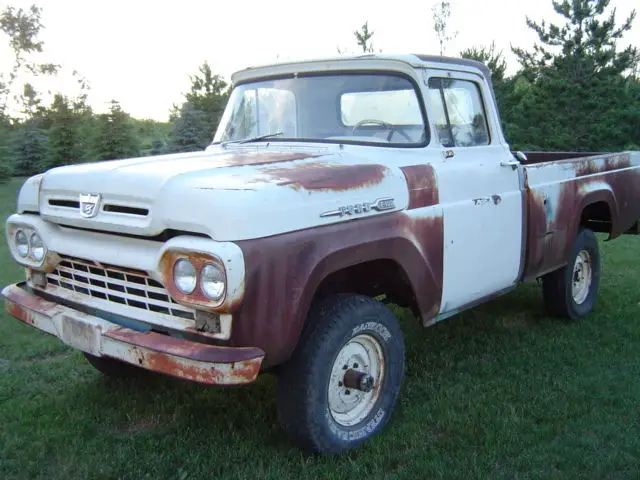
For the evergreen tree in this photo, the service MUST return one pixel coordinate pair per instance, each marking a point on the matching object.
(28, 148)
(114, 136)
(63, 134)
(190, 130)
(574, 88)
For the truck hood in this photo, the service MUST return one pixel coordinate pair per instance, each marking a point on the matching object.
(227, 194)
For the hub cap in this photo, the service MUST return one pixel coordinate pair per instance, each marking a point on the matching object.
(582, 276)
(361, 361)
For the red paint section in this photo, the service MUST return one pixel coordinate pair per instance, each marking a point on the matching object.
(553, 222)
(326, 176)
(422, 184)
(284, 271)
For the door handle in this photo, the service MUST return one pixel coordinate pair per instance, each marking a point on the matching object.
(510, 163)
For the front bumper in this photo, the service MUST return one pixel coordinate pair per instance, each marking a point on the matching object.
(153, 351)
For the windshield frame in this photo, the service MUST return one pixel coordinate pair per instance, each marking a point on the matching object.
(294, 75)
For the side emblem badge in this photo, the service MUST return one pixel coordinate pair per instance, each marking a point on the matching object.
(89, 205)
(379, 205)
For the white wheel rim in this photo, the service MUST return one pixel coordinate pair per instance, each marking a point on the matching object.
(349, 406)
(582, 277)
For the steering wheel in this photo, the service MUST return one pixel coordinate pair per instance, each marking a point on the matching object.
(386, 125)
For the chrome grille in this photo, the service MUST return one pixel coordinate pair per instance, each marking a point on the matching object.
(133, 288)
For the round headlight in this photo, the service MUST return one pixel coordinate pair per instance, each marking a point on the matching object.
(22, 243)
(212, 281)
(37, 247)
(184, 276)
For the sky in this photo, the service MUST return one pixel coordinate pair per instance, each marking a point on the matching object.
(142, 52)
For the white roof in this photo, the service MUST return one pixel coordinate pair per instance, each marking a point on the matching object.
(375, 61)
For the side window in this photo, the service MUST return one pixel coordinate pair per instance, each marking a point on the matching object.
(458, 112)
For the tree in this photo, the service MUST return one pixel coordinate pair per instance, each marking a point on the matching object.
(492, 59)
(363, 38)
(28, 148)
(64, 145)
(208, 94)
(23, 28)
(575, 90)
(190, 132)
(204, 105)
(584, 46)
(114, 136)
(441, 13)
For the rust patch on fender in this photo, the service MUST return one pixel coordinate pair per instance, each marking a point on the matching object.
(554, 220)
(596, 165)
(326, 176)
(284, 271)
(422, 184)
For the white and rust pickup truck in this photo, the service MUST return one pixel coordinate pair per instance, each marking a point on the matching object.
(330, 188)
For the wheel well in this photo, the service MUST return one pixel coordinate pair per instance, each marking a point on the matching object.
(375, 278)
(597, 217)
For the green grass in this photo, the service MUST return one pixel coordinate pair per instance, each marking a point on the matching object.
(502, 391)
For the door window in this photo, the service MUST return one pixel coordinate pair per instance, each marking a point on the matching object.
(458, 112)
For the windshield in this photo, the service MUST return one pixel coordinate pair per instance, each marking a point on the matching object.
(370, 108)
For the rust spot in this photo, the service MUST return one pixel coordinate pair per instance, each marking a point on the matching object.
(228, 374)
(18, 312)
(422, 184)
(28, 301)
(198, 259)
(554, 220)
(326, 176)
(259, 158)
(184, 348)
(284, 271)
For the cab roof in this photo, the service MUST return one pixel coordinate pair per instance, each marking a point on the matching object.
(405, 60)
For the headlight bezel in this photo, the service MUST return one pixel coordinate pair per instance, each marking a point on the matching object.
(198, 298)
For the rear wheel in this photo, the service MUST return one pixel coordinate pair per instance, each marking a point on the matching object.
(342, 382)
(571, 291)
(114, 368)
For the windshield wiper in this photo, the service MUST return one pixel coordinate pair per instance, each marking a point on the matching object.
(253, 139)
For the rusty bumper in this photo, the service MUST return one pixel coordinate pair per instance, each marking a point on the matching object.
(181, 358)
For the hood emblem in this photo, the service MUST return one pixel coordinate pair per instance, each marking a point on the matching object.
(89, 204)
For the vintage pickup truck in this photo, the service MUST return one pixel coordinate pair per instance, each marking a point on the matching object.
(331, 187)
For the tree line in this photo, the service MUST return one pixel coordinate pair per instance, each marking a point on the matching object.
(575, 90)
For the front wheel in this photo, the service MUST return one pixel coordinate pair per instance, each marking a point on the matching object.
(342, 382)
(571, 291)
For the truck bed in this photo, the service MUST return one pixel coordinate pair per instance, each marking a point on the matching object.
(567, 191)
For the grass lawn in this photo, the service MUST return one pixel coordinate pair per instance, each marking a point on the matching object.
(502, 391)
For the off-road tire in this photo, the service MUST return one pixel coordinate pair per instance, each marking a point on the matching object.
(114, 368)
(303, 382)
(557, 285)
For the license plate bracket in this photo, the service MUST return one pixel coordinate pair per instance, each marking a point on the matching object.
(81, 334)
